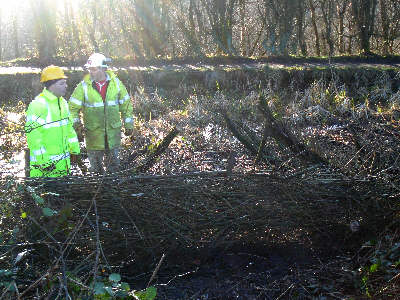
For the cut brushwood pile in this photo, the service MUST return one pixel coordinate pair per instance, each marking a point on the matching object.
(142, 216)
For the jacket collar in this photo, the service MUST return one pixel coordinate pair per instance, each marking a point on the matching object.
(109, 74)
(49, 95)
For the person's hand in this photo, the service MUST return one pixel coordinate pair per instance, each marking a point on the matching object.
(128, 132)
(132, 134)
(79, 132)
(48, 167)
(74, 158)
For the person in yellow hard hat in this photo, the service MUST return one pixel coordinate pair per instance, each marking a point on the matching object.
(50, 135)
(104, 104)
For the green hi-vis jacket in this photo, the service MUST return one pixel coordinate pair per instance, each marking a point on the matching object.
(50, 135)
(102, 120)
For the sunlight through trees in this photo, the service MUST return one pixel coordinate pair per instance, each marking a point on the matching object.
(148, 29)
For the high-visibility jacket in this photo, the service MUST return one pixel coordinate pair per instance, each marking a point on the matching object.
(102, 119)
(50, 136)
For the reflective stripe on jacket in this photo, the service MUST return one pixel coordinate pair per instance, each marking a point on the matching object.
(102, 119)
(50, 136)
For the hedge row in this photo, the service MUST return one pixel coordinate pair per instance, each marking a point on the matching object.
(179, 82)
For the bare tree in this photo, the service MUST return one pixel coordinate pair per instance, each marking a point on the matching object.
(242, 8)
(45, 33)
(153, 20)
(1, 28)
(385, 25)
(315, 27)
(161, 28)
(281, 23)
(389, 24)
(327, 13)
(124, 13)
(92, 25)
(364, 16)
(341, 8)
(300, 27)
(15, 35)
(67, 40)
(191, 28)
(76, 32)
(220, 15)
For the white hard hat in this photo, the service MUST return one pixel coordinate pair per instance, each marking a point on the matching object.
(97, 60)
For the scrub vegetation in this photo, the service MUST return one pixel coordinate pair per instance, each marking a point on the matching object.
(285, 188)
(266, 164)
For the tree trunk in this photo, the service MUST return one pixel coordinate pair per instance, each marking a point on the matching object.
(300, 27)
(220, 14)
(15, 36)
(286, 25)
(280, 28)
(242, 13)
(127, 29)
(274, 129)
(327, 13)
(191, 33)
(67, 40)
(341, 10)
(199, 19)
(192, 25)
(385, 26)
(75, 32)
(248, 142)
(1, 49)
(364, 17)
(151, 160)
(92, 29)
(45, 29)
(314, 25)
(149, 18)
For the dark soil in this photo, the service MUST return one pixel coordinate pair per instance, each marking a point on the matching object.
(237, 272)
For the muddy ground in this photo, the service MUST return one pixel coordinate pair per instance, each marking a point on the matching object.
(240, 272)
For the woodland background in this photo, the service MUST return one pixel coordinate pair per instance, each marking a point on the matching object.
(146, 29)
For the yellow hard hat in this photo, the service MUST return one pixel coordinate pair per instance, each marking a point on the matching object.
(52, 73)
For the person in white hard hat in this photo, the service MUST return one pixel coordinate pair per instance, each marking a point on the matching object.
(104, 105)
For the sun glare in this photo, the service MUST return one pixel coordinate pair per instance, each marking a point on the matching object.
(8, 7)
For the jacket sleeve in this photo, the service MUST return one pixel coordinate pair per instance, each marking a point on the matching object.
(75, 104)
(73, 142)
(125, 107)
(35, 120)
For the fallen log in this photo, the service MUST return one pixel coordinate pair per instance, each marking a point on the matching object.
(246, 141)
(282, 136)
(149, 162)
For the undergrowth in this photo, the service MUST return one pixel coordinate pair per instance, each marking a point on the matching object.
(355, 133)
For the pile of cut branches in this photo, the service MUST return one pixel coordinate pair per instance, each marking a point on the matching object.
(145, 216)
